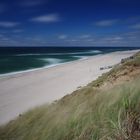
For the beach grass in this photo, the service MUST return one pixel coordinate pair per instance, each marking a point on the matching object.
(105, 109)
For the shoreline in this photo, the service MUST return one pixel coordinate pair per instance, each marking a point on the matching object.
(54, 65)
(44, 67)
(24, 91)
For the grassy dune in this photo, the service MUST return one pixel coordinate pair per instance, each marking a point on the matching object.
(106, 109)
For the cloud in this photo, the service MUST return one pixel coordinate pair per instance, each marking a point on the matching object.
(132, 33)
(50, 18)
(105, 23)
(31, 3)
(62, 36)
(85, 36)
(5, 39)
(119, 39)
(1, 35)
(116, 38)
(6, 24)
(125, 21)
(74, 40)
(136, 26)
(132, 20)
(17, 31)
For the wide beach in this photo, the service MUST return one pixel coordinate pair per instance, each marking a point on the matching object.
(24, 91)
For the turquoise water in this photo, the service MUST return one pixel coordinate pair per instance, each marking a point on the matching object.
(16, 59)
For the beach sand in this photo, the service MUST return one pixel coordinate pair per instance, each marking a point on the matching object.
(24, 91)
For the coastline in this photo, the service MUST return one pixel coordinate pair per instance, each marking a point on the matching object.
(45, 67)
(57, 64)
(23, 91)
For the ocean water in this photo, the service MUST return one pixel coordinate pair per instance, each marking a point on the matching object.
(18, 59)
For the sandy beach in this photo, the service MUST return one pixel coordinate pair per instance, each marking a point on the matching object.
(24, 91)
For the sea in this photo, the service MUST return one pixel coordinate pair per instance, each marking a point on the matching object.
(22, 59)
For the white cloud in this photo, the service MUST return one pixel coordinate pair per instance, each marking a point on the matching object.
(116, 38)
(105, 23)
(136, 26)
(62, 36)
(47, 18)
(74, 40)
(85, 36)
(1, 35)
(4, 39)
(8, 24)
(132, 20)
(17, 31)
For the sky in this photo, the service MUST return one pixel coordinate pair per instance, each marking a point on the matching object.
(70, 23)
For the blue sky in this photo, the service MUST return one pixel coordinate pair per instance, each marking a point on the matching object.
(70, 23)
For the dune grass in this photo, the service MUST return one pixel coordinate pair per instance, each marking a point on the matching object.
(87, 114)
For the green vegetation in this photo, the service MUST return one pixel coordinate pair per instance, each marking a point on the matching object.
(90, 113)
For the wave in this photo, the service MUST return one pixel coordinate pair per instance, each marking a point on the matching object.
(53, 63)
(80, 57)
(87, 52)
(70, 53)
(29, 70)
(52, 60)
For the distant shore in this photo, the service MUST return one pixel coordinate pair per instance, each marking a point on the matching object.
(23, 91)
